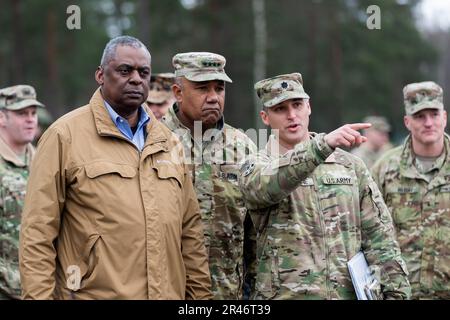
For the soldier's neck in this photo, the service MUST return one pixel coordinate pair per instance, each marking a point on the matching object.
(428, 150)
(18, 149)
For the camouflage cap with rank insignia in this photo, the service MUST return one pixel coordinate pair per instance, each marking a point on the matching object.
(273, 91)
(423, 95)
(18, 97)
(200, 66)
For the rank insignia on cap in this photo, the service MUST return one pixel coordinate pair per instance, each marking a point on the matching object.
(284, 85)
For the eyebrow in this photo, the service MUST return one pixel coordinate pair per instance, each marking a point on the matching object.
(132, 67)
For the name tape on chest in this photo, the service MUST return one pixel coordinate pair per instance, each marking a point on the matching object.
(341, 180)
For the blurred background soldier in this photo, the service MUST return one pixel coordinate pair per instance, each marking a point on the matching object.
(315, 206)
(18, 126)
(377, 140)
(45, 119)
(217, 149)
(415, 181)
(160, 96)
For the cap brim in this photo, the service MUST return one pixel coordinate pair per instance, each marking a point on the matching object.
(208, 76)
(287, 95)
(25, 104)
(425, 105)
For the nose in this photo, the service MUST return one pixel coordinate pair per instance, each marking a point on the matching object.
(428, 121)
(291, 113)
(212, 96)
(135, 77)
(30, 117)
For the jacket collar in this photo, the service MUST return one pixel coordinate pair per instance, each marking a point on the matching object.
(9, 155)
(409, 170)
(106, 127)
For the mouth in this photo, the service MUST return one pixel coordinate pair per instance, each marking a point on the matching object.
(293, 127)
(134, 94)
(211, 109)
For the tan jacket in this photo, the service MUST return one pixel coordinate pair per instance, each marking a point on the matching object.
(104, 217)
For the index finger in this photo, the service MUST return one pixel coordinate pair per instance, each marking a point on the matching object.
(359, 126)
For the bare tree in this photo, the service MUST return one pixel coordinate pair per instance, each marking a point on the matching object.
(260, 54)
(18, 61)
(143, 18)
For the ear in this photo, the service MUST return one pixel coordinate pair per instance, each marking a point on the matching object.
(99, 74)
(177, 92)
(309, 107)
(264, 117)
(444, 118)
(406, 122)
(3, 118)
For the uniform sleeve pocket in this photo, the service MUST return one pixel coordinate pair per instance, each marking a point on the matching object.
(98, 169)
(380, 205)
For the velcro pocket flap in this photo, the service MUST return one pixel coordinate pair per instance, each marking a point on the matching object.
(97, 169)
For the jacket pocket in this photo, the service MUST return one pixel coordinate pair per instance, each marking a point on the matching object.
(169, 188)
(80, 273)
(98, 169)
(169, 172)
(405, 206)
(268, 278)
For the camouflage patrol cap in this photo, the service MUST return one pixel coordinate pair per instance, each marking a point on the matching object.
(422, 95)
(378, 123)
(18, 97)
(200, 66)
(160, 87)
(273, 91)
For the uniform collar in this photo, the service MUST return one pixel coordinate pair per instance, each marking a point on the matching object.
(9, 155)
(409, 170)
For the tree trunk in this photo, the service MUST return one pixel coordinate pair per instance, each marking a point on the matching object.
(312, 47)
(53, 89)
(260, 53)
(18, 60)
(336, 66)
(143, 19)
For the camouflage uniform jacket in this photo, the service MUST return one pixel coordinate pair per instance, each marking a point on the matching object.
(215, 165)
(13, 177)
(421, 213)
(313, 212)
(369, 156)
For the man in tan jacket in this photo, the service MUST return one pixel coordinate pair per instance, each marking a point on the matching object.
(97, 222)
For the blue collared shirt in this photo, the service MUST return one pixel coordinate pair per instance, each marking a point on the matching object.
(138, 138)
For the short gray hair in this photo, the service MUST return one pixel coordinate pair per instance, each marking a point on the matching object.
(110, 49)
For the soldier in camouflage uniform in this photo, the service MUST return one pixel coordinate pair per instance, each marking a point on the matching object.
(18, 126)
(214, 151)
(160, 96)
(377, 140)
(415, 182)
(315, 206)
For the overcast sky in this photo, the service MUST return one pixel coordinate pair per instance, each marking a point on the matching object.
(433, 14)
